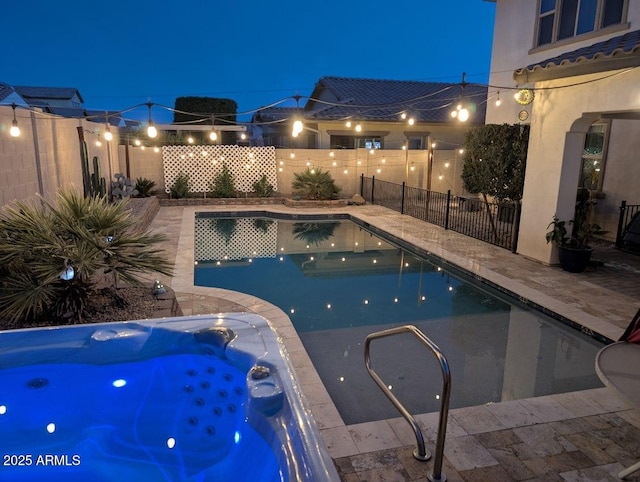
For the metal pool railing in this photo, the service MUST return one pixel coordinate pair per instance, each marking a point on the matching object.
(421, 452)
(492, 222)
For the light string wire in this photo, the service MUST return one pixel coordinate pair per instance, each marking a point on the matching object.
(403, 105)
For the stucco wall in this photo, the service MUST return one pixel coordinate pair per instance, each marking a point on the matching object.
(392, 163)
(560, 119)
(46, 155)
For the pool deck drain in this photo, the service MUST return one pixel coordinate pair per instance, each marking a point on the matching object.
(581, 436)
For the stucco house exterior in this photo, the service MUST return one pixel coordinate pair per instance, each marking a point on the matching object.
(575, 68)
(352, 113)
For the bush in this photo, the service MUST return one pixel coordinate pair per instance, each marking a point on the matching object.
(263, 188)
(145, 187)
(223, 184)
(181, 186)
(51, 254)
(315, 184)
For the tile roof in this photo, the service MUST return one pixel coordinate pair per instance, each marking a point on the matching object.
(338, 98)
(114, 117)
(5, 91)
(612, 54)
(274, 114)
(28, 92)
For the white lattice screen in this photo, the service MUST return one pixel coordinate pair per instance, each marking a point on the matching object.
(246, 238)
(204, 163)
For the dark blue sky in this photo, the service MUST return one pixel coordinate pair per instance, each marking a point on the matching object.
(122, 53)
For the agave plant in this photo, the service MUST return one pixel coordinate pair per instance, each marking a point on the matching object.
(51, 254)
(315, 184)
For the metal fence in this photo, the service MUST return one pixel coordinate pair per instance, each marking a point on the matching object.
(627, 213)
(490, 222)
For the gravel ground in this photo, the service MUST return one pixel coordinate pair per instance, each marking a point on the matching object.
(138, 303)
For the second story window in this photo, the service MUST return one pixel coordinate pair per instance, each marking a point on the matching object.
(563, 19)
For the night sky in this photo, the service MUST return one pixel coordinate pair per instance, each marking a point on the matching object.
(122, 53)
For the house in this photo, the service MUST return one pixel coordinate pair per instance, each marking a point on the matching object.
(62, 101)
(573, 67)
(351, 113)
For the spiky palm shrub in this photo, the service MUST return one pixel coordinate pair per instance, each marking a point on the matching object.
(82, 237)
(315, 184)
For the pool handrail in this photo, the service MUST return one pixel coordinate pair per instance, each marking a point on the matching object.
(420, 453)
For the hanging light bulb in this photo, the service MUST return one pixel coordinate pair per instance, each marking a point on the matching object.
(348, 124)
(190, 139)
(108, 136)
(298, 126)
(498, 101)
(152, 132)
(463, 114)
(358, 127)
(213, 135)
(15, 130)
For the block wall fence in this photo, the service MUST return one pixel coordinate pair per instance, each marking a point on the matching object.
(46, 156)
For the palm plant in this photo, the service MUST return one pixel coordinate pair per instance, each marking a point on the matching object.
(315, 184)
(51, 254)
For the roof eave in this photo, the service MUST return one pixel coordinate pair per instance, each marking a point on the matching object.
(579, 67)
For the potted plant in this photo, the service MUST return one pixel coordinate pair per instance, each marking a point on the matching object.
(574, 248)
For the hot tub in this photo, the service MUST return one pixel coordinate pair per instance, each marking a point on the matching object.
(203, 398)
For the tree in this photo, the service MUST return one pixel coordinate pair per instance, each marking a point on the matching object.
(50, 255)
(207, 111)
(494, 161)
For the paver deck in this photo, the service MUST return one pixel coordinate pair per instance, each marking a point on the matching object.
(580, 436)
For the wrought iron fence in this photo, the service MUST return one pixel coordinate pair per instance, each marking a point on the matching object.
(490, 222)
(627, 213)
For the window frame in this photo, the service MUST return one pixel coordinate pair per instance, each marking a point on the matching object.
(556, 12)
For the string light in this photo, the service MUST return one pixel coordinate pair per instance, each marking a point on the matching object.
(213, 135)
(498, 101)
(152, 132)
(15, 130)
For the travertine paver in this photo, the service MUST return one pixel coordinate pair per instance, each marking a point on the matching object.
(585, 436)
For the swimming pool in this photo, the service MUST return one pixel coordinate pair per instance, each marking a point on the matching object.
(338, 281)
(184, 399)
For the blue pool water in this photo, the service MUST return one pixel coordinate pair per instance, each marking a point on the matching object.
(338, 282)
(189, 399)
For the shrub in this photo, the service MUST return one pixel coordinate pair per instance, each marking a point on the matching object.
(145, 187)
(181, 186)
(263, 188)
(51, 254)
(315, 184)
(223, 184)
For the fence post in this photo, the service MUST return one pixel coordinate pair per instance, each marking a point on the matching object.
(373, 184)
(447, 209)
(623, 208)
(402, 204)
(362, 184)
(515, 228)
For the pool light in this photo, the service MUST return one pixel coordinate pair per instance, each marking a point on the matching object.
(3, 409)
(51, 427)
(171, 442)
(119, 383)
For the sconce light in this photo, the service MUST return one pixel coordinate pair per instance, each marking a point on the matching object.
(15, 130)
